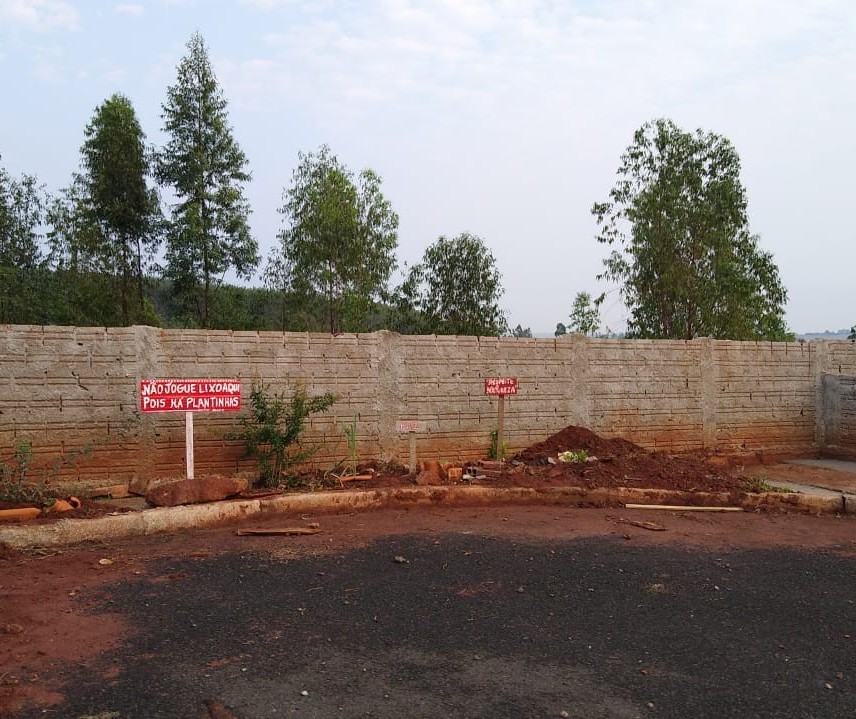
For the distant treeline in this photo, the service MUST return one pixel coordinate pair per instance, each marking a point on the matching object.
(43, 296)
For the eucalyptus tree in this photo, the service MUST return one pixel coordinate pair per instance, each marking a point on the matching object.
(682, 253)
(455, 289)
(121, 210)
(205, 169)
(585, 316)
(22, 208)
(337, 241)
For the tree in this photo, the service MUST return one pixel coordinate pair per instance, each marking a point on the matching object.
(22, 204)
(520, 331)
(83, 295)
(209, 233)
(585, 317)
(338, 240)
(561, 330)
(455, 289)
(852, 335)
(22, 208)
(687, 264)
(122, 211)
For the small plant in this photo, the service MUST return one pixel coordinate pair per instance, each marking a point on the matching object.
(580, 455)
(272, 432)
(758, 483)
(350, 431)
(493, 452)
(14, 487)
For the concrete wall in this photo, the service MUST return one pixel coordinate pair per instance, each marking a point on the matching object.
(839, 416)
(73, 392)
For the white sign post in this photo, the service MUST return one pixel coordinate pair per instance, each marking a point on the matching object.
(189, 396)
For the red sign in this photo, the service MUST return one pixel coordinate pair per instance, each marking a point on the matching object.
(500, 386)
(410, 426)
(190, 395)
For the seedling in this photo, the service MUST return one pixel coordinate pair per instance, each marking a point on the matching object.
(580, 455)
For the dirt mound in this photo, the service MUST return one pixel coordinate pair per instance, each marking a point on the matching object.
(616, 463)
(573, 439)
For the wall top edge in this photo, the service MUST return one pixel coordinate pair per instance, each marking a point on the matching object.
(522, 341)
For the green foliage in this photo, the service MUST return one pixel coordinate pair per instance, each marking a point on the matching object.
(271, 434)
(122, 214)
(759, 483)
(574, 456)
(687, 264)
(201, 162)
(561, 330)
(338, 240)
(493, 451)
(852, 335)
(585, 317)
(22, 211)
(520, 331)
(14, 485)
(350, 431)
(455, 290)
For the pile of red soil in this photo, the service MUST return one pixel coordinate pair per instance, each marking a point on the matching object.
(616, 463)
(573, 439)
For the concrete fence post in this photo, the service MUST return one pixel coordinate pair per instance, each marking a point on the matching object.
(707, 369)
(819, 364)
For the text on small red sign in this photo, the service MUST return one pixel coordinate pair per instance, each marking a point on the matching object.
(190, 395)
(500, 385)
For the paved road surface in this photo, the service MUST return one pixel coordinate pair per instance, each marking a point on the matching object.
(468, 623)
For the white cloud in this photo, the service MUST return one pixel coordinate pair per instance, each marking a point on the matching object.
(39, 15)
(49, 64)
(128, 9)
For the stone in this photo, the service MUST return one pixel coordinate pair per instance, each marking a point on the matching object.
(431, 472)
(195, 491)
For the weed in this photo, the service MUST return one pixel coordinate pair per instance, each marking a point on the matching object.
(492, 452)
(14, 486)
(272, 432)
(350, 431)
(759, 483)
(580, 455)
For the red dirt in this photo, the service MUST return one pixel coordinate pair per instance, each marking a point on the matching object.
(46, 597)
(611, 463)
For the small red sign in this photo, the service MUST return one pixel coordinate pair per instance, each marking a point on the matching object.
(500, 386)
(410, 426)
(190, 395)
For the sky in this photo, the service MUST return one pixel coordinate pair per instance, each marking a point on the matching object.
(505, 118)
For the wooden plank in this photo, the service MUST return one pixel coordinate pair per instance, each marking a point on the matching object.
(678, 508)
(276, 531)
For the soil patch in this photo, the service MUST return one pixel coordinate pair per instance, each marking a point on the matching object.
(609, 463)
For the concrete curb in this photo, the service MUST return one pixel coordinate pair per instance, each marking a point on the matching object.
(165, 519)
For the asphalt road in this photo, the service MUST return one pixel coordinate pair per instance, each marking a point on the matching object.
(465, 625)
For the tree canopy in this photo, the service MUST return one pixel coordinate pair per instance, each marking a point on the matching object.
(338, 240)
(122, 212)
(203, 165)
(22, 208)
(585, 317)
(682, 251)
(454, 290)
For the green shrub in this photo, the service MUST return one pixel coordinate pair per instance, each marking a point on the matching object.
(14, 486)
(271, 433)
(493, 451)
